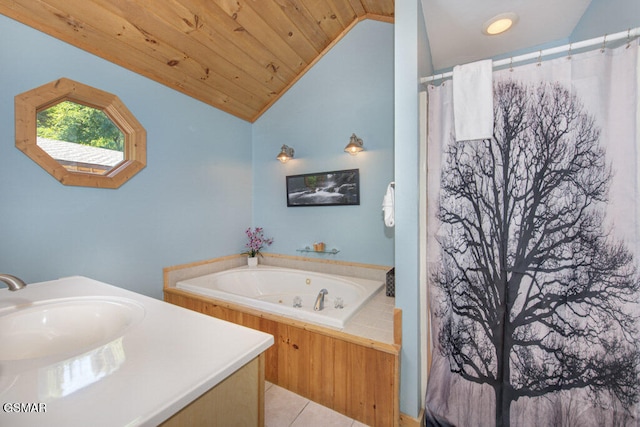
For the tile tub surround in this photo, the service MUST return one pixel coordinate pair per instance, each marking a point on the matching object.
(146, 382)
(325, 365)
(200, 268)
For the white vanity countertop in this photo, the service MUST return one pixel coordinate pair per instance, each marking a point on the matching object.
(142, 377)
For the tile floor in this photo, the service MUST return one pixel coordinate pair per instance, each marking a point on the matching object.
(286, 409)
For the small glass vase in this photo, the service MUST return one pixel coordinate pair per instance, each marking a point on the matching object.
(252, 261)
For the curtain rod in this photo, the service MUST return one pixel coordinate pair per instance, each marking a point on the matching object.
(630, 34)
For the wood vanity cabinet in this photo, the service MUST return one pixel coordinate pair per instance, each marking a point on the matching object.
(236, 401)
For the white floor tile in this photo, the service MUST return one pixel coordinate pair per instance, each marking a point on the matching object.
(282, 407)
(315, 415)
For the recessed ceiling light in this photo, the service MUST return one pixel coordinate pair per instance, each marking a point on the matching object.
(499, 23)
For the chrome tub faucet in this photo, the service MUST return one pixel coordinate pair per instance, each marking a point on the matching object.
(319, 305)
(12, 282)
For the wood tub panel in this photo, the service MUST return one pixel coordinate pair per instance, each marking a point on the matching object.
(321, 369)
(351, 375)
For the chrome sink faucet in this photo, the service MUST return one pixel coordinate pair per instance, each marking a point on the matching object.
(12, 282)
(319, 305)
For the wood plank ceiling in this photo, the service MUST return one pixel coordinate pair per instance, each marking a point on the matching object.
(237, 55)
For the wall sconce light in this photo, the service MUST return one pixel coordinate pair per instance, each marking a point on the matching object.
(354, 146)
(286, 154)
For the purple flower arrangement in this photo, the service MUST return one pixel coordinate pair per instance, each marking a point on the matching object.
(256, 241)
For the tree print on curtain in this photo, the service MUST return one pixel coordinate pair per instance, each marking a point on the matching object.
(536, 298)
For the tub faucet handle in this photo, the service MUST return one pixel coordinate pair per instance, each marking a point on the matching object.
(319, 305)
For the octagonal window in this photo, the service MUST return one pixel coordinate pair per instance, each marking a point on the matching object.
(80, 138)
(80, 135)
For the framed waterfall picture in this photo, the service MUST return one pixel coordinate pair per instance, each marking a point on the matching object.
(324, 188)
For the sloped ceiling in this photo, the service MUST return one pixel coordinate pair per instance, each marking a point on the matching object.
(237, 55)
(241, 56)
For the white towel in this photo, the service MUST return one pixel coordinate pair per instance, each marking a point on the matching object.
(388, 203)
(473, 100)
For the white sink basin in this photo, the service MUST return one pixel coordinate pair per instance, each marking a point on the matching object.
(65, 326)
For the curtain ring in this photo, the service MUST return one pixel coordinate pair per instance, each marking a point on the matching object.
(569, 55)
(511, 64)
(628, 38)
(604, 43)
(539, 59)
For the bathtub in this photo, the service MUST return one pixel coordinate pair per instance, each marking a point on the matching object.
(276, 290)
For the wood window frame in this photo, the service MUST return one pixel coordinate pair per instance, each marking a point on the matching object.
(29, 103)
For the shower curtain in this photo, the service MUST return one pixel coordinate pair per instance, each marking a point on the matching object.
(534, 249)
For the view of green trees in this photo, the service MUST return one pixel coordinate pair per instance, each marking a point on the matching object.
(68, 121)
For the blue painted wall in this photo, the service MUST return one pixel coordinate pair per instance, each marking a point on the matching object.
(607, 17)
(191, 202)
(350, 90)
